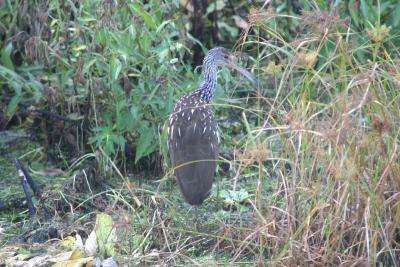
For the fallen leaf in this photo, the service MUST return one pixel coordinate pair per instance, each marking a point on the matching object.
(91, 244)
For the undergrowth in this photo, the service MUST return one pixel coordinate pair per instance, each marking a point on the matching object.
(328, 142)
(309, 169)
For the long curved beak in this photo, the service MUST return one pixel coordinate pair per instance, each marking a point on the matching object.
(232, 64)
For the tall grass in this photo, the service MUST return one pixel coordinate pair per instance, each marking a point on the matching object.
(328, 143)
(309, 173)
(313, 179)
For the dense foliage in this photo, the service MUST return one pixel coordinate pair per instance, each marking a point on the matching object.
(313, 153)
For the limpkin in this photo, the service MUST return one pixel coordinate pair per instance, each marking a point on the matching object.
(193, 135)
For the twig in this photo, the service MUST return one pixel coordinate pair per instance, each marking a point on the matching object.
(56, 116)
(36, 190)
(24, 182)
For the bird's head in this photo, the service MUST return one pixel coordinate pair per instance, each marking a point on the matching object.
(221, 56)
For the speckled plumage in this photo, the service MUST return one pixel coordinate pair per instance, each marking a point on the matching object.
(193, 145)
(193, 135)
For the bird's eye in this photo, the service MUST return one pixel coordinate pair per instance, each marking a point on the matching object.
(226, 56)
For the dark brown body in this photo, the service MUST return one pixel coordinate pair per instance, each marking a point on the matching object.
(193, 145)
(193, 132)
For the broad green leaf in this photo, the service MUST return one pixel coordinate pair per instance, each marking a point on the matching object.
(281, 7)
(68, 243)
(12, 106)
(353, 9)
(164, 140)
(109, 147)
(149, 20)
(145, 145)
(146, 41)
(224, 194)
(37, 90)
(233, 31)
(116, 67)
(368, 11)
(126, 121)
(107, 117)
(87, 65)
(121, 121)
(146, 16)
(77, 254)
(101, 36)
(158, 11)
(394, 17)
(105, 233)
(242, 196)
(385, 6)
(217, 5)
(119, 140)
(162, 55)
(163, 24)
(6, 57)
(132, 32)
(16, 86)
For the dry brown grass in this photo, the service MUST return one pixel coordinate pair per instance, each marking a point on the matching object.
(320, 161)
(337, 168)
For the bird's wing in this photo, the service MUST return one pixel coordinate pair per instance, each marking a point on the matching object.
(193, 145)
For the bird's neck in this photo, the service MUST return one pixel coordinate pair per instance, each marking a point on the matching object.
(207, 88)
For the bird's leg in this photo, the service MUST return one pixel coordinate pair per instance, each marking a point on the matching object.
(196, 218)
(220, 204)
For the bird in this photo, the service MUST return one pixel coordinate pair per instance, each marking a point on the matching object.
(193, 134)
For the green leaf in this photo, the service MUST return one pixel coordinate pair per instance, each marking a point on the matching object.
(6, 57)
(102, 36)
(164, 140)
(132, 32)
(16, 99)
(149, 20)
(109, 147)
(87, 65)
(162, 55)
(218, 5)
(119, 140)
(136, 115)
(354, 12)
(163, 24)
(116, 67)
(242, 196)
(368, 11)
(16, 86)
(146, 42)
(145, 145)
(232, 30)
(107, 117)
(231, 197)
(12, 106)
(224, 194)
(394, 17)
(126, 121)
(106, 236)
(146, 16)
